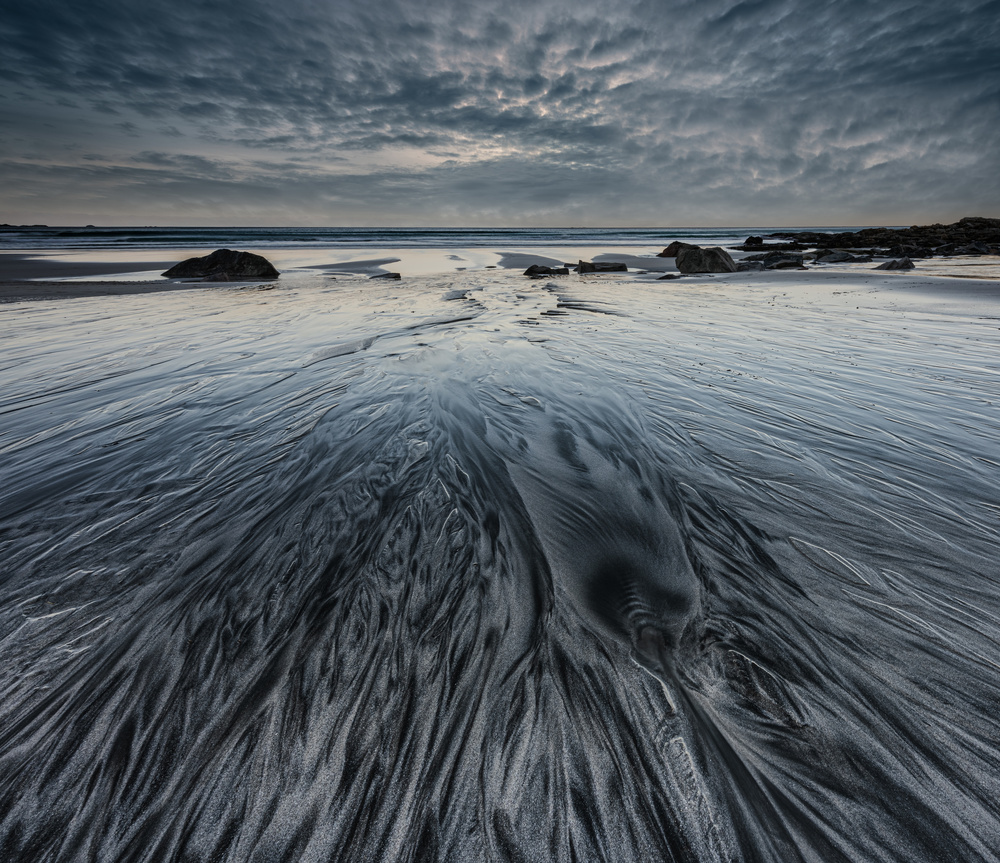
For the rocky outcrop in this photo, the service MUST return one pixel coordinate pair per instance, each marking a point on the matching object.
(224, 265)
(600, 267)
(698, 260)
(936, 239)
(900, 264)
(672, 250)
(542, 270)
(749, 266)
(386, 276)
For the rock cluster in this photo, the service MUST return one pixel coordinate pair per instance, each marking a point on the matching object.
(224, 265)
(972, 235)
(777, 260)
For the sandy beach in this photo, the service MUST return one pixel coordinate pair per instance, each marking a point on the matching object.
(66, 275)
(326, 556)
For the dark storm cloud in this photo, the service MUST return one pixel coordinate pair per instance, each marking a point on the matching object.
(842, 108)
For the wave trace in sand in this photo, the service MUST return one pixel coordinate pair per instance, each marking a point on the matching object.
(468, 569)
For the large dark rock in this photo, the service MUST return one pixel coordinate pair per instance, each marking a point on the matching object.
(900, 264)
(672, 250)
(600, 267)
(713, 260)
(225, 265)
(749, 266)
(395, 276)
(542, 270)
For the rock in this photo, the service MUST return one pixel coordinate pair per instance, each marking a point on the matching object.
(668, 277)
(698, 260)
(600, 267)
(900, 264)
(672, 250)
(774, 247)
(909, 252)
(973, 249)
(749, 266)
(777, 260)
(826, 256)
(385, 276)
(753, 241)
(542, 270)
(834, 257)
(224, 265)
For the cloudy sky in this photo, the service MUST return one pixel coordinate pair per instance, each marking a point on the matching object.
(522, 112)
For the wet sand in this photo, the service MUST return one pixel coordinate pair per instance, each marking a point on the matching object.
(476, 564)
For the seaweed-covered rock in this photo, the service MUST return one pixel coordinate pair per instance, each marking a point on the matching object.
(697, 260)
(224, 265)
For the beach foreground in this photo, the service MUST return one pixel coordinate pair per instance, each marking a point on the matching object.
(474, 566)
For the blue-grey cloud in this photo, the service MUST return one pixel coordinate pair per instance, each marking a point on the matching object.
(768, 110)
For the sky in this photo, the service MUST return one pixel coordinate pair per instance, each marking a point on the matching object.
(520, 112)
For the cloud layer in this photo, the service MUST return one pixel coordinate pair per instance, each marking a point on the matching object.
(391, 112)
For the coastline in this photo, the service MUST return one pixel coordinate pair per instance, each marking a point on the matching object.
(30, 280)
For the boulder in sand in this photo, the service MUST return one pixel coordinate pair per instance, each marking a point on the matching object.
(698, 260)
(899, 264)
(542, 270)
(224, 265)
(386, 276)
(672, 250)
(600, 267)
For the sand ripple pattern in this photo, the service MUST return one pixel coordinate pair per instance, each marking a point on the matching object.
(472, 569)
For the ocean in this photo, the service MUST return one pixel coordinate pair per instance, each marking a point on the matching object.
(403, 238)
